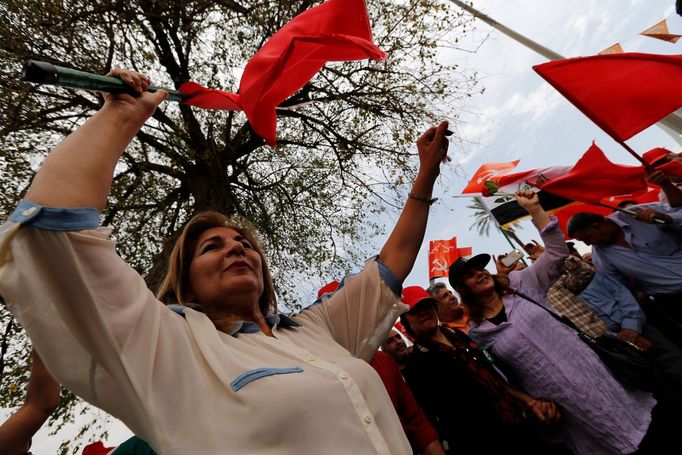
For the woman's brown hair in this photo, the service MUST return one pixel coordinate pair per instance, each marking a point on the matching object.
(469, 300)
(175, 285)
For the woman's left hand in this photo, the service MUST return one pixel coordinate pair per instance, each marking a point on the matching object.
(501, 268)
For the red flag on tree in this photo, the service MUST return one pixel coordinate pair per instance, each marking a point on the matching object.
(622, 93)
(336, 30)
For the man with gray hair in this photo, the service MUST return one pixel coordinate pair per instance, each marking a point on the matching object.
(451, 313)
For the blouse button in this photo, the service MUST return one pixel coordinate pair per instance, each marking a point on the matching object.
(311, 358)
(367, 419)
(343, 375)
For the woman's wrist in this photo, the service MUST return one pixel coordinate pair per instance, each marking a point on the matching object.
(423, 184)
(122, 116)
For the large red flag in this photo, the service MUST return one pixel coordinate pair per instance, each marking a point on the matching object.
(622, 93)
(486, 172)
(565, 213)
(594, 177)
(650, 194)
(336, 30)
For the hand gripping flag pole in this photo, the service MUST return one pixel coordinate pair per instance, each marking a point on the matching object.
(47, 73)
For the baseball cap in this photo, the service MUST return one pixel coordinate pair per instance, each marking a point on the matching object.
(461, 266)
(414, 295)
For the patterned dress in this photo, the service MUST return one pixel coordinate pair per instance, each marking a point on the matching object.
(599, 415)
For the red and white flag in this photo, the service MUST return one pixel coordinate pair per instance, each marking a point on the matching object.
(488, 171)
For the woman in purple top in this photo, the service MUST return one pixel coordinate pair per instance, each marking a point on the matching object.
(600, 416)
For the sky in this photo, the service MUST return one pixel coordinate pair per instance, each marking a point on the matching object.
(518, 117)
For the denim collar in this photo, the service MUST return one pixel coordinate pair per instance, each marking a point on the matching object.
(279, 319)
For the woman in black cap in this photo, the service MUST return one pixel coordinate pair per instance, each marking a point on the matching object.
(550, 361)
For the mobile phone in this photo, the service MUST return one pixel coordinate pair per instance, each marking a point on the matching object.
(511, 257)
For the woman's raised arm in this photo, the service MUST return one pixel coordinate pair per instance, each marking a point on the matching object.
(401, 248)
(78, 171)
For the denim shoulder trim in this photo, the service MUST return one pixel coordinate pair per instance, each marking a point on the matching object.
(54, 218)
(252, 375)
(178, 309)
(393, 283)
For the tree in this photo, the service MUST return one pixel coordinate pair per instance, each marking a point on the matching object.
(483, 220)
(340, 159)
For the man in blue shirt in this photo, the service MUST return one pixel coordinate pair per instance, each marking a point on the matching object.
(615, 305)
(640, 251)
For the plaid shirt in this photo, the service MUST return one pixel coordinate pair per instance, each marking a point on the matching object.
(570, 306)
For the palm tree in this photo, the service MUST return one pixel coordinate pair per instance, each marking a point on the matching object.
(483, 221)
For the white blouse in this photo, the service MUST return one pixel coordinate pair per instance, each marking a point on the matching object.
(185, 387)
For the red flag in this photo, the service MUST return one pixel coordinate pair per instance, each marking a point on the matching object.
(622, 93)
(650, 194)
(594, 177)
(336, 30)
(487, 172)
(565, 213)
(442, 253)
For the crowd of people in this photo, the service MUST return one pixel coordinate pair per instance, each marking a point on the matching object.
(207, 364)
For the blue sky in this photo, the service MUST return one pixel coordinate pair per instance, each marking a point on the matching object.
(518, 117)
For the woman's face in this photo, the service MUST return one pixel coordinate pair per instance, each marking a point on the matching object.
(479, 282)
(224, 264)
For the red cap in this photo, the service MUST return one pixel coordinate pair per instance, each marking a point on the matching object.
(412, 295)
(328, 288)
(655, 155)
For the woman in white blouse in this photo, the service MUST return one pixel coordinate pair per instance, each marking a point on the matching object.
(222, 372)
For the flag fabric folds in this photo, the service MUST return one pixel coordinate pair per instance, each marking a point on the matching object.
(565, 213)
(336, 30)
(622, 93)
(442, 253)
(594, 177)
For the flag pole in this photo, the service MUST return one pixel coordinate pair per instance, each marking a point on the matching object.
(629, 212)
(635, 154)
(529, 43)
(47, 73)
